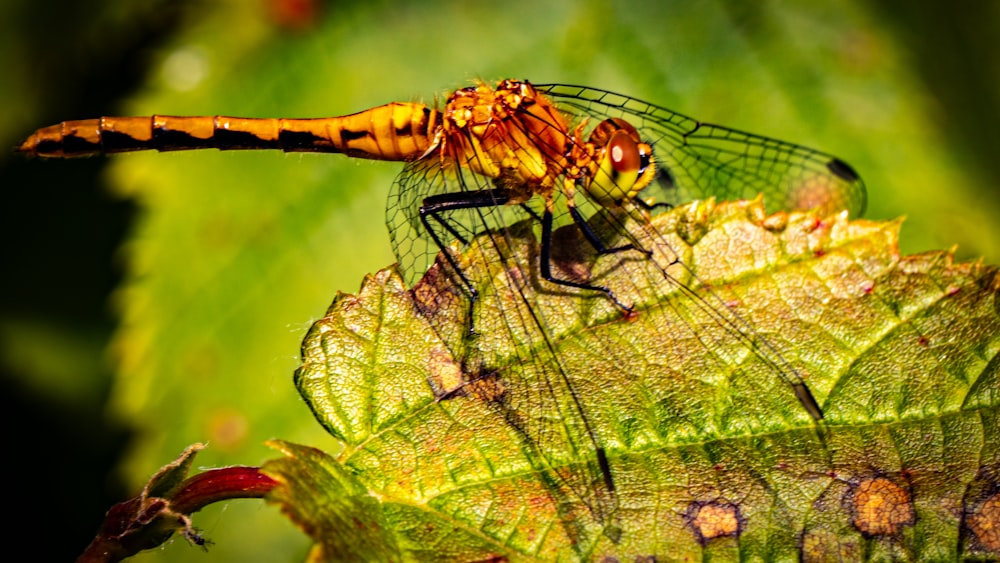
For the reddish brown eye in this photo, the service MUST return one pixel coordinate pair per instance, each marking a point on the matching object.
(624, 153)
(622, 158)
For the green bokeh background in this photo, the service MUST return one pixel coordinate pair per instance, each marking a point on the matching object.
(154, 300)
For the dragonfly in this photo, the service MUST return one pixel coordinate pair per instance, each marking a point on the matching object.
(554, 157)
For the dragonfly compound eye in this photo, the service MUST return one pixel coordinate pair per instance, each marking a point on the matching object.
(622, 163)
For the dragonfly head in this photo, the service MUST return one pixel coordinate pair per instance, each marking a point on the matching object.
(624, 164)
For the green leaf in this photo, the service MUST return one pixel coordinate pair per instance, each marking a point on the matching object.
(349, 523)
(711, 454)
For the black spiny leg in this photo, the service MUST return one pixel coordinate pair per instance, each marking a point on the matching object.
(546, 258)
(596, 241)
(651, 206)
(435, 206)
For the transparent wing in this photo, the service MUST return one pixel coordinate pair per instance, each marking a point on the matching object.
(510, 362)
(750, 387)
(697, 160)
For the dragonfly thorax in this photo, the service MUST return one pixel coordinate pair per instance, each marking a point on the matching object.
(510, 132)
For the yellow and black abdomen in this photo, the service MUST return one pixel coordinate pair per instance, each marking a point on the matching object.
(396, 131)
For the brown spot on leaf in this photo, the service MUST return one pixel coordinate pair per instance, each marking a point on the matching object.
(714, 519)
(984, 523)
(448, 380)
(445, 374)
(432, 293)
(438, 297)
(881, 507)
(487, 388)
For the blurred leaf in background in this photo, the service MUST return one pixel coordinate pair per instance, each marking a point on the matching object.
(230, 256)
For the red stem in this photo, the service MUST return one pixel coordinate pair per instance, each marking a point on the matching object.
(137, 524)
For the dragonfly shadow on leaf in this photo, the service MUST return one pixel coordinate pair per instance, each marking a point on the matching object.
(509, 364)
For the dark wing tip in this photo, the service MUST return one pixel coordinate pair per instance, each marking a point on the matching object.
(842, 170)
(859, 198)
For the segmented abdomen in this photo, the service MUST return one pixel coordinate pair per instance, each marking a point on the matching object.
(396, 131)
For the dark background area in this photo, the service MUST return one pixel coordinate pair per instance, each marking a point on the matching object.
(59, 242)
(61, 237)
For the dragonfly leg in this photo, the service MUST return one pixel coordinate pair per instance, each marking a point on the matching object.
(435, 207)
(546, 257)
(596, 241)
(659, 206)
